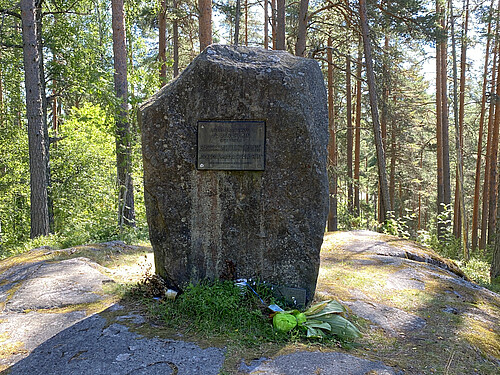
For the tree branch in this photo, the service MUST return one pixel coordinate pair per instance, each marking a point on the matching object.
(10, 45)
(326, 7)
(66, 12)
(10, 13)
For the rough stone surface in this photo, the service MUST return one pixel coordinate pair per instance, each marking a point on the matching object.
(90, 347)
(59, 284)
(310, 363)
(211, 224)
(391, 319)
(31, 329)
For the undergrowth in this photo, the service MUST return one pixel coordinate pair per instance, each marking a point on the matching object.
(222, 310)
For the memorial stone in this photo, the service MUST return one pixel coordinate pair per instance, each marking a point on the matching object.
(235, 178)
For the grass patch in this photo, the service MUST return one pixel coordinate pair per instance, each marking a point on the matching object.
(218, 309)
(222, 310)
(484, 338)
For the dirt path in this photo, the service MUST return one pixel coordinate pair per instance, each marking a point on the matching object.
(60, 313)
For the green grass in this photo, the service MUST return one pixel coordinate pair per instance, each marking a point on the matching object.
(222, 310)
(218, 309)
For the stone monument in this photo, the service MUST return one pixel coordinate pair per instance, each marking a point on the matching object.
(235, 178)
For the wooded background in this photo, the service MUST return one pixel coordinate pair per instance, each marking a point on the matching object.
(414, 122)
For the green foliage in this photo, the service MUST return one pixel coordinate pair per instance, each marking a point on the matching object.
(446, 244)
(323, 320)
(84, 179)
(400, 227)
(221, 309)
(218, 309)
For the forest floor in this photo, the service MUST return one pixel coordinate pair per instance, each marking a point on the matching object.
(64, 311)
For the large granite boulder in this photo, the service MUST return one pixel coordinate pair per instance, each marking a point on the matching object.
(262, 220)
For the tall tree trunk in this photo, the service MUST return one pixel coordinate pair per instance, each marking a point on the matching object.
(126, 212)
(274, 25)
(477, 180)
(357, 136)
(385, 112)
(300, 46)
(384, 188)
(35, 95)
(392, 168)
(444, 189)
(237, 23)
(246, 22)
(280, 25)
(492, 189)
(349, 136)
(162, 42)
(205, 23)
(175, 42)
(439, 131)
(332, 145)
(55, 114)
(457, 217)
(495, 263)
(266, 24)
(488, 161)
(459, 141)
(41, 71)
(444, 113)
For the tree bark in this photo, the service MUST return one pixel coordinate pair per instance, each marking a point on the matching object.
(460, 211)
(205, 23)
(274, 22)
(488, 161)
(444, 113)
(237, 23)
(266, 24)
(457, 218)
(384, 115)
(439, 132)
(35, 95)
(246, 22)
(280, 25)
(300, 46)
(495, 263)
(477, 180)
(175, 42)
(492, 189)
(349, 137)
(332, 224)
(357, 132)
(384, 196)
(126, 212)
(162, 42)
(392, 168)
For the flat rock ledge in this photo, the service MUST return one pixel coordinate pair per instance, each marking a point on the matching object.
(305, 363)
(91, 347)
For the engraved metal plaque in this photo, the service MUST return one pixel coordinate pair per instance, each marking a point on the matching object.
(231, 145)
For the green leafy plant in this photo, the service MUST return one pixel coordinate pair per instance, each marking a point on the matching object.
(321, 320)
